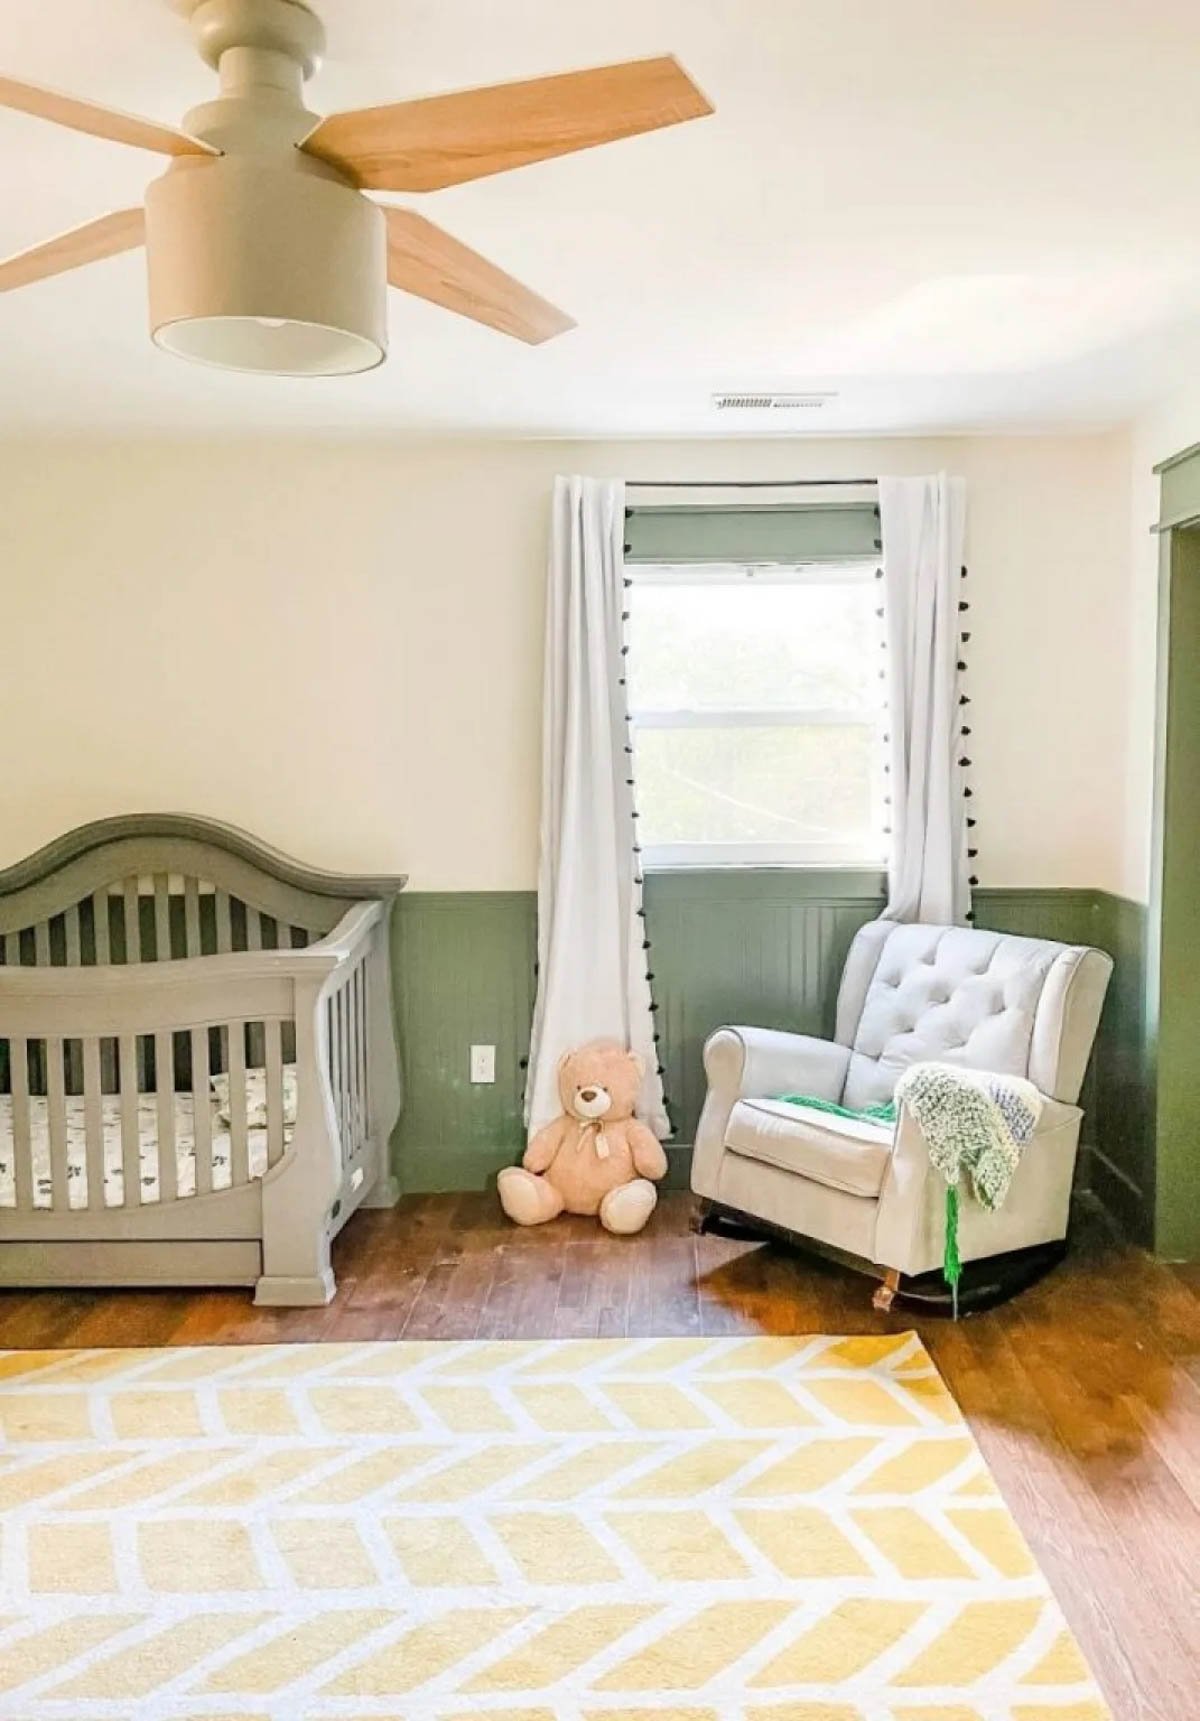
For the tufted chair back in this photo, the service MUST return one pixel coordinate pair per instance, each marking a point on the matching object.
(1013, 1006)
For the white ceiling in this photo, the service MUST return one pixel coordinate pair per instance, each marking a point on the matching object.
(959, 215)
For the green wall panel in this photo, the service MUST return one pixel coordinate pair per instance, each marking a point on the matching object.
(1122, 1170)
(764, 947)
(1118, 1158)
(463, 968)
(1173, 989)
(761, 946)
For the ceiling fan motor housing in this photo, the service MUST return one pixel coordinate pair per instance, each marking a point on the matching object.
(264, 258)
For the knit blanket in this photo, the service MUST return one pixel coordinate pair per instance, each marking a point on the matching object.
(975, 1125)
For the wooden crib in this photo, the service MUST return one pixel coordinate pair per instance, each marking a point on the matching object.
(198, 1066)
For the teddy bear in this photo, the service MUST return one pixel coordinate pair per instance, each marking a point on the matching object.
(596, 1158)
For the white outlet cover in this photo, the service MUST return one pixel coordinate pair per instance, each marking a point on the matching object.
(483, 1063)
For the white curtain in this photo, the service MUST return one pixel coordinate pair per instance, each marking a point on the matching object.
(592, 978)
(923, 528)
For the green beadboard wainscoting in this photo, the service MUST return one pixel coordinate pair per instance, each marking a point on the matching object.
(463, 965)
(763, 946)
(1173, 989)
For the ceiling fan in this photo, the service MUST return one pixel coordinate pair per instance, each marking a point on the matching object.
(263, 253)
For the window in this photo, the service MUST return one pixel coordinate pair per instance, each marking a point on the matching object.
(758, 714)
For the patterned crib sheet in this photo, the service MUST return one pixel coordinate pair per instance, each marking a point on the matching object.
(114, 1176)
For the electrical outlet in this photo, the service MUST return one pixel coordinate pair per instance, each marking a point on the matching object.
(483, 1063)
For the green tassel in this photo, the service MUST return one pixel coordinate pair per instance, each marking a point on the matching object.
(951, 1265)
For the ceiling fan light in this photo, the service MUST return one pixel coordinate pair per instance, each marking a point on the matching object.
(271, 346)
(268, 269)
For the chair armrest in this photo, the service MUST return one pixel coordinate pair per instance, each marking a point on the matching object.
(765, 1062)
(910, 1224)
(762, 1062)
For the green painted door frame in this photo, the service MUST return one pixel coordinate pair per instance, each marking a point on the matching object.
(1172, 1045)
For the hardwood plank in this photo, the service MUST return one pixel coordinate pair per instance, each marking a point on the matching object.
(523, 1292)
(594, 1291)
(1061, 1518)
(452, 1296)
(663, 1292)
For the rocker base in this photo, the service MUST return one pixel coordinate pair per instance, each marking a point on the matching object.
(984, 1284)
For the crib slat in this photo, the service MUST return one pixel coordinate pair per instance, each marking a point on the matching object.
(334, 1036)
(224, 924)
(131, 910)
(364, 1051)
(133, 925)
(102, 955)
(363, 1112)
(18, 1061)
(56, 1106)
(274, 1064)
(164, 1090)
(162, 917)
(93, 1122)
(283, 935)
(254, 941)
(74, 942)
(348, 1061)
(12, 949)
(100, 923)
(351, 1078)
(202, 1111)
(355, 1037)
(191, 915)
(130, 1151)
(344, 1029)
(239, 1147)
(41, 943)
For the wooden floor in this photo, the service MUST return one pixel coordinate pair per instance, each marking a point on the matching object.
(1084, 1393)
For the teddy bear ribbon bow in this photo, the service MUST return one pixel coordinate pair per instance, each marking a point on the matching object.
(601, 1142)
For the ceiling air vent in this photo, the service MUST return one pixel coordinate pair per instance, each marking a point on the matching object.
(748, 402)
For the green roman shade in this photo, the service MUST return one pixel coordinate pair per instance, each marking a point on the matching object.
(819, 532)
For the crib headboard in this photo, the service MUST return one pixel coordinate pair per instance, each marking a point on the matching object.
(148, 887)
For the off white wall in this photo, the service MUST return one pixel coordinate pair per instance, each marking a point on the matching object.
(338, 645)
(1169, 427)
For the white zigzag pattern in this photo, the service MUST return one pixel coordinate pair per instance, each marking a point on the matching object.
(376, 1495)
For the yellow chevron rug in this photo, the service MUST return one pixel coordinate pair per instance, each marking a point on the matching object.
(643, 1530)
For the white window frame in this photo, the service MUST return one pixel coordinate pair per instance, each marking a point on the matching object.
(664, 856)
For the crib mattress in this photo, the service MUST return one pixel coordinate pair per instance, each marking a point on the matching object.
(114, 1176)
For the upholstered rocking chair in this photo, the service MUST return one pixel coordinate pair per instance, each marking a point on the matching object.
(983, 1000)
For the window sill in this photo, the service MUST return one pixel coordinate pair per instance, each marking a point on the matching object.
(860, 883)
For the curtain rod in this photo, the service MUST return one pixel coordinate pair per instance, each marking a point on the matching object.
(742, 483)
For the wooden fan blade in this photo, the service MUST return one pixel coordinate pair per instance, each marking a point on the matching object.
(444, 140)
(104, 237)
(424, 260)
(99, 121)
